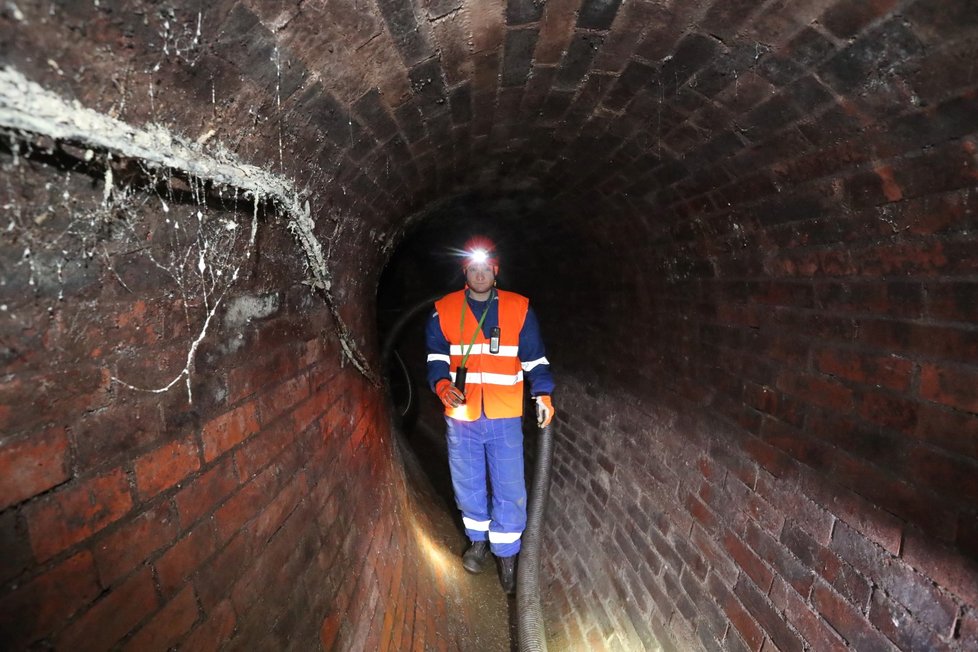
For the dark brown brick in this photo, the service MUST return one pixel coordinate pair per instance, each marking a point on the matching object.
(850, 623)
(517, 56)
(33, 610)
(775, 627)
(214, 630)
(185, 557)
(133, 542)
(807, 622)
(203, 493)
(910, 589)
(30, 465)
(245, 504)
(76, 512)
(952, 386)
(168, 626)
(847, 18)
(115, 614)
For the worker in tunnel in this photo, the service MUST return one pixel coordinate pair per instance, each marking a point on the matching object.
(482, 342)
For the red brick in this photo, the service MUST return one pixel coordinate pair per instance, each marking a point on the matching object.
(312, 409)
(36, 608)
(246, 504)
(767, 617)
(701, 512)
(787, 567)
(748, 561)
(847, 621)
(282, 398)
(950, 386)
(329, 629)
(720, 563)
(254, 455)
(185, 557)
(313, 352)
(755, 507)
(770, 401)
(168, 626)
(113, 616)
(77, 512)
(281, 507)
(214, 630)
(893, 412)
(132, 543)
(887, 371)
(811, 627)
(843, 577)
(31, 465)
(166, 466)
(226, 431)
(202, 493)
(259, 373)
(894, 495)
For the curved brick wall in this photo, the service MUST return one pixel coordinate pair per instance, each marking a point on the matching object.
(748, 228)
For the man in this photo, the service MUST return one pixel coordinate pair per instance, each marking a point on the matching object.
(492, 339)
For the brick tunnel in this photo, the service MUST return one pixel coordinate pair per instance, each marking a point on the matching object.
(748, 228)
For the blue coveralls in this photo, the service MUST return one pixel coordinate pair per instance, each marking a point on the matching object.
(496, 442)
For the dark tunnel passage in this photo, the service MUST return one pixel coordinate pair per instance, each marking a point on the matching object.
(747, 228)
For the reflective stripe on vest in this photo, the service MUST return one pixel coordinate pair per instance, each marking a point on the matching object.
(494, 382)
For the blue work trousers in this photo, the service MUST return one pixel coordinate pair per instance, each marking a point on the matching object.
(498, 444)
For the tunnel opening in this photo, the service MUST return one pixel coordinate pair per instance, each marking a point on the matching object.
(748, 229)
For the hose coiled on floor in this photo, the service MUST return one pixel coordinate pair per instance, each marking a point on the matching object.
(532, 635)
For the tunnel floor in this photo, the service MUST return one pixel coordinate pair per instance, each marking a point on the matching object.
(492, 623)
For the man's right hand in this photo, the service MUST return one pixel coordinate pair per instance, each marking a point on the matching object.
(449, 394)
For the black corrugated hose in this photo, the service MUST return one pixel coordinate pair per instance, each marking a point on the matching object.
(532, 636)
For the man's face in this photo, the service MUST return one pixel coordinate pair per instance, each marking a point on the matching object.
(480, 277)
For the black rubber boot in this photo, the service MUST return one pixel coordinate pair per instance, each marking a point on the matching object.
(507, 574)
(474, 559)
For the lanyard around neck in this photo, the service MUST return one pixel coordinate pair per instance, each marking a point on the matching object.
(461, 323)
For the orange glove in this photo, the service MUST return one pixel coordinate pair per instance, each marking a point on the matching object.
(545, 411)
(449, 394)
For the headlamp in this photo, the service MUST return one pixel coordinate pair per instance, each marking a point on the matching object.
(478, 256)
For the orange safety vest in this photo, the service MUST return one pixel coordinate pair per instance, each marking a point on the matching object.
(494, 383)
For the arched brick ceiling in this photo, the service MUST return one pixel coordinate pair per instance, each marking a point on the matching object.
(679, 108)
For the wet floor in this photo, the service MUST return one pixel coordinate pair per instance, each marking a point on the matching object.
(491, 613)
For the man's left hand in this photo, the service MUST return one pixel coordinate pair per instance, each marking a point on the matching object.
(545, 411)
